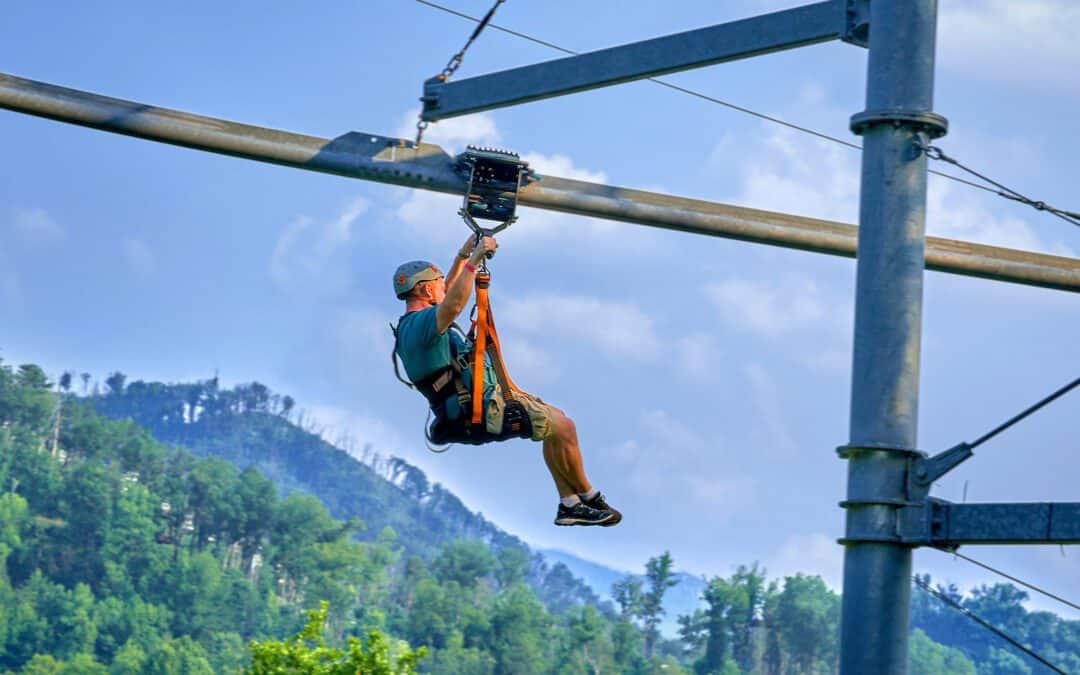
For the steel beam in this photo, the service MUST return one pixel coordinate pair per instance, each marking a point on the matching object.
(396, 161)
(943, 524)
(755, 36)
(1035, 523)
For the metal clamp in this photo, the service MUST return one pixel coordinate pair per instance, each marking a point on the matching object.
(934, 125)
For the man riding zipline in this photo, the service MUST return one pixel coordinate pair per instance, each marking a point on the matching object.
(437, 356)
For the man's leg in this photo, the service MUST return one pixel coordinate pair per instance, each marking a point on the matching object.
(563, 456)
(579, 503)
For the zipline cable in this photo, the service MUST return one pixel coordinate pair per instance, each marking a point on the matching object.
(691, 92)
(985, 624)
(1008, 423)
(1012, 578)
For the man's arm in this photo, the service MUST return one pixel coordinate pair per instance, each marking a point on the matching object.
(459, 260)
(458, 292)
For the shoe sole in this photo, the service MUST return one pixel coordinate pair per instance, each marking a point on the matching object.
(614, 521)
(565, 522)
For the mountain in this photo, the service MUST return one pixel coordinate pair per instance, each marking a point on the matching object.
(683, 598)
(250, 426)
(793, 620)
(120, 554)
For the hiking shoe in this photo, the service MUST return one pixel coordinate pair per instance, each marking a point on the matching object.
(598, 503)
(580, 514)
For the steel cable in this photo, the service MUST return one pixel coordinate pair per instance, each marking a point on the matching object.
(1014, 579)
(1016, 418)
(936, 153)
(986, 624)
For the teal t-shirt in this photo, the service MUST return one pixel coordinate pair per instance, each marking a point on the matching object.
(423, 350)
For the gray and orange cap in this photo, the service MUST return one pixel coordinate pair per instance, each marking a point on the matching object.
(411, 273)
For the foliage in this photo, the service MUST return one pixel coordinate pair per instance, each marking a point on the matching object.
(306, 652)
(122, 555)
(253, 427)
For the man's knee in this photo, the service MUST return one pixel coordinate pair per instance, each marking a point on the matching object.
(563, 425)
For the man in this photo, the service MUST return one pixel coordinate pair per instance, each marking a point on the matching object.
(432, 350)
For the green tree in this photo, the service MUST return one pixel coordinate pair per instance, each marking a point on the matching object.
(521, 630)
(129, 660)
(464, 562)
(511, 565)
(42, 664)
(457, 659)
(807, 618)
(178, 655)
(926, 657)
(13, 521)
(115, 382)
(586, 648)
(658, 573)
(307, 652)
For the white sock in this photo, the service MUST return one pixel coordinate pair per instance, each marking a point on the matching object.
(586, 496)
(572, 500)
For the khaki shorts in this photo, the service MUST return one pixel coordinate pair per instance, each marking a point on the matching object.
(540, 414)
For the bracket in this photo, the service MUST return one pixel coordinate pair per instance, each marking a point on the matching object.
(923, 471)
(856, 23)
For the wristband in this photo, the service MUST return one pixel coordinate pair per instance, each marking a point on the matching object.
(470, 267)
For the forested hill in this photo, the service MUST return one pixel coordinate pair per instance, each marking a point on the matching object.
(251, 426)
(121, 555)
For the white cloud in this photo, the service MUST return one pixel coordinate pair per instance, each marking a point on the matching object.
(34, 225)
(303, 257)
(455, 133)
(768, 309)
(771, 428)
(617, 328)
(433, 218)
(138, 256)
(1029, 43)
(364, 329)
(687, 462)
(563, 167)
(699, 356)
(529, 365)
(361, 428)
(833, 361)
(814, 553)
(959, 216)
(793, 173)
(10, 289)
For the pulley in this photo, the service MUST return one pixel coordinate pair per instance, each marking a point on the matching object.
(494, 178)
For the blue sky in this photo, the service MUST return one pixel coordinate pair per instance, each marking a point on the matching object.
(709, 378)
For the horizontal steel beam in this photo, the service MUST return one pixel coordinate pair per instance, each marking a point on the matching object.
(755, 36)
(1037, 523)
(399, 162)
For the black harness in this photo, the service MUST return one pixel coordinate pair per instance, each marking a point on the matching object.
(447, 382)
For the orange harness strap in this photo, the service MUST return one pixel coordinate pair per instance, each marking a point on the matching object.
(486, 341)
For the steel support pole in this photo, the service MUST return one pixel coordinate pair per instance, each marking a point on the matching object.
(888, 320)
